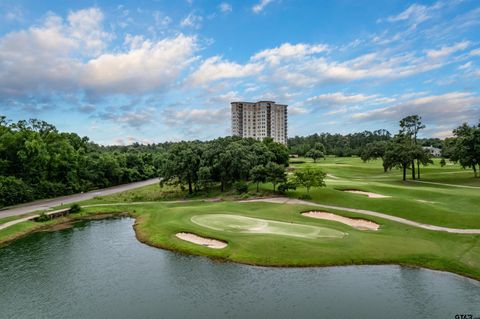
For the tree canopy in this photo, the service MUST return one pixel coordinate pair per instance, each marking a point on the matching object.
(465, 146)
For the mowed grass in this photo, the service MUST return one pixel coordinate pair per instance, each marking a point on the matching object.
(443, 205)
(157, 224)
(248, 225)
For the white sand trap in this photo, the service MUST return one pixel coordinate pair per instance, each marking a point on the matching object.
(361, 224)
(207, 242)
(248, 225)
(369, 194)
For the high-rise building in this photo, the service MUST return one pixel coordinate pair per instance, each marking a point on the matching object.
(259, 120)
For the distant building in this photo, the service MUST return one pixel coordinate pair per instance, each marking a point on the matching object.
(435, 151)
(259, 120)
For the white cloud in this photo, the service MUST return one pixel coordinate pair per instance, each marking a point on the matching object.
(416, 14)
(475, 52)
(304, 68)
(45, 59)
(341, 110)
(289, 51)
(466, 66)
(196, 122)
(447, 50)
(297, 110)
(449, 109)
(225, 7)
(85, 27)
(161, 20)
(257, 8)
(443, 134)
(192, 20)
(201, 116)
(147, 66)
(38, 58)
(137, 118)
(339, 98)
(215, 68)
(129, 140)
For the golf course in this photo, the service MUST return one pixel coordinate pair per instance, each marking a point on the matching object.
(270, 229)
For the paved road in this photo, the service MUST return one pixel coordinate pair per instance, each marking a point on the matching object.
(49, 203)
(285, 200)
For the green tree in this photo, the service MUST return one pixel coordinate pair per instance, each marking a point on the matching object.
(410, 126)
(318, 151)
(309, 177)
(400, 154)
(275, 173)
(279, 151)
(375, 150)
(13, 190)
(182, 164)
(466, 147)
(258, 174)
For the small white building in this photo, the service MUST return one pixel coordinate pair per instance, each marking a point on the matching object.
(435, 151)
(259, 120)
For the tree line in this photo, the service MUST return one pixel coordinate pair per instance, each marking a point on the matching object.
(347, 145)
(405, 151)
(336, 144)
(227, 161)
(37, 161)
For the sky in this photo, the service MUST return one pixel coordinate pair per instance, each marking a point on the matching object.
(153, 71)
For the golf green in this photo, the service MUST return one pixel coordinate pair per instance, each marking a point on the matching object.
(242, 224)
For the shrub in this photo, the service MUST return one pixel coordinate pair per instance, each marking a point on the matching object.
(42, 218)
(75, 208)
(240, 187)
(285, 187)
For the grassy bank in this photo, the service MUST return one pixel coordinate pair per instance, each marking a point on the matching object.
(157, 223)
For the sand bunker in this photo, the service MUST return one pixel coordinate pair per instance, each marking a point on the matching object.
(242, 224)
(369, 194)
(361, 224)
(207, 242)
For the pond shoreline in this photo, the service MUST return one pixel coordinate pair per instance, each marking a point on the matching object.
(69, 221)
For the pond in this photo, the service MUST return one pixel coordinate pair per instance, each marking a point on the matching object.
(98, 269)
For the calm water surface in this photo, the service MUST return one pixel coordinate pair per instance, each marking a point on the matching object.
(99, 270)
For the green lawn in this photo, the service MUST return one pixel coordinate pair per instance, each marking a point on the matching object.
(440, 205)
(393, 243)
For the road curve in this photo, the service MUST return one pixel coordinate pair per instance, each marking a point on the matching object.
(45, 204)
(285, 200)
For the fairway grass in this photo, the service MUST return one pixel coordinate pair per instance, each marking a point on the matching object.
(445, 196)
(242, 224)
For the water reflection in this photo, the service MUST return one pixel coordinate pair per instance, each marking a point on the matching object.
(100, 270)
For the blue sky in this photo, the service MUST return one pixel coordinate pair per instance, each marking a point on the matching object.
(151, 71)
